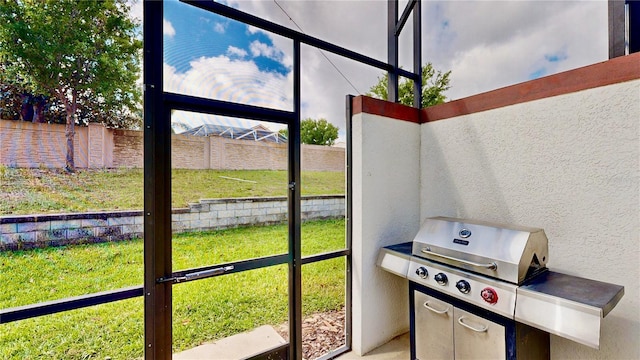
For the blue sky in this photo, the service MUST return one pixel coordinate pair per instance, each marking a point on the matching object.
(197, 33)
(486, 45)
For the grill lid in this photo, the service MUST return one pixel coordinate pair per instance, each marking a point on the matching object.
(505, 252)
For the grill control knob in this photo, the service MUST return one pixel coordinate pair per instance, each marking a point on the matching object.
(463, 286)
(422, 272)
(441, 278)
(489, 295)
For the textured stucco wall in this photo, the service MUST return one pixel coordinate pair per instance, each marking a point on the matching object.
(386, 209)
(568, 164)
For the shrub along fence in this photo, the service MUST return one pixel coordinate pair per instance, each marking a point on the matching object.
(37, 231)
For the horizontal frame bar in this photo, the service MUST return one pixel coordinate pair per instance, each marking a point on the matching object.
(225, 108)
(72, 303)
(51, 307)
(236, 267)
(249, 19)
(325, 256)
(332, 354)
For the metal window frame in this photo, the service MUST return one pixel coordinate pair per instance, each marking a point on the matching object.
(394, 29)
(624, 27)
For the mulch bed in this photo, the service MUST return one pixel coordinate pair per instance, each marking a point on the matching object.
(321, 333)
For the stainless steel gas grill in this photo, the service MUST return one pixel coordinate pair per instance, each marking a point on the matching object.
(482, 290)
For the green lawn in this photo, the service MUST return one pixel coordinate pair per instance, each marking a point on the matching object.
(202, 310)
(36, 191)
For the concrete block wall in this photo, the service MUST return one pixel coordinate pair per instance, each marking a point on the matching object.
(127, 149)
(322, 158)
(24, 144)
(189, 152)
(248, 155)
(37, 231)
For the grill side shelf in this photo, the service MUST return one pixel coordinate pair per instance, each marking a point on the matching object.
(567, 306)
(395, 259)
(604, 296)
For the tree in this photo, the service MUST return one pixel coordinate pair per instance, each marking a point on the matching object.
(18, 104)
(77, 52)
(10, 102)
(434, 84)
(318, 132)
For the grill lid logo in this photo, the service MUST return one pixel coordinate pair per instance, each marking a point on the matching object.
(464, 233)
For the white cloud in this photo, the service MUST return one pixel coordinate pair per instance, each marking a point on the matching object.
(233, 80)
(220, 28)
(167, 28)
(252, 29)
(515, 44)
(234, 51)
(261, 49)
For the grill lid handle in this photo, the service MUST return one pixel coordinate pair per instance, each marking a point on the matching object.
(490, 266)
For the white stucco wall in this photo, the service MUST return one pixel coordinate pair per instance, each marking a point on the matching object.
(568, 164)
(386, 211)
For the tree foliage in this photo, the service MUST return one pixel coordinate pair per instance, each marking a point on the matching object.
(10, 102)
(83, 54)
(434, 84)
(16, 103)
(318, 132)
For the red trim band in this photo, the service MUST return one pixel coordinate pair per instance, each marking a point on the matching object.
(368, 105)
(617, 70)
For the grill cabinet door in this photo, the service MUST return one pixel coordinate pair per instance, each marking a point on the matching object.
(433, 328)
(477, 338)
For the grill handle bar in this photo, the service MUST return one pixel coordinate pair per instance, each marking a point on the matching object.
(490, 266)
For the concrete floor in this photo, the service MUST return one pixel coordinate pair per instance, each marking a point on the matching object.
(253, 342)
(396, 349)
(238, 346)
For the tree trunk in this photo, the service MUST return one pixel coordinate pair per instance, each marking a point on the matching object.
(38, 109)
(26, 109)
(70, 107)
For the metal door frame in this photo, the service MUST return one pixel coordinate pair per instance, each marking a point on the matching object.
(159, 276)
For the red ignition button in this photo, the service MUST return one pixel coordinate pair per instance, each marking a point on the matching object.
(489, 295)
